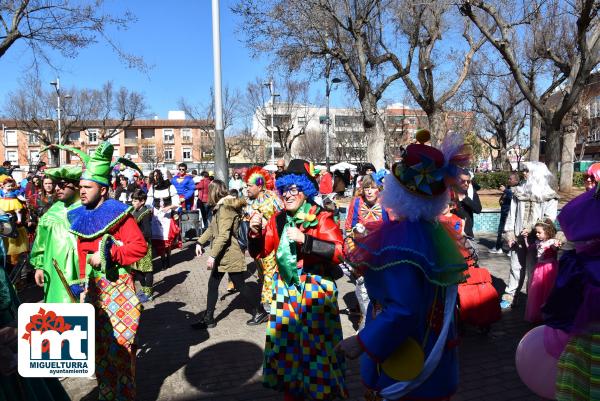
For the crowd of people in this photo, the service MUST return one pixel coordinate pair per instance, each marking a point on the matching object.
(90, 232)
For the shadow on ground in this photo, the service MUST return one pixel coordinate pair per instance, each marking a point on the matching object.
(164, 344)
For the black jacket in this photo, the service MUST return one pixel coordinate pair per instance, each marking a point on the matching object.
(465, 209)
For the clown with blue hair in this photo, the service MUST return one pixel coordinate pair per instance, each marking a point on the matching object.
(304, 323)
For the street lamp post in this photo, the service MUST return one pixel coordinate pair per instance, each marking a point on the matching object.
(328, 85)
(56, 85)
(273, 94)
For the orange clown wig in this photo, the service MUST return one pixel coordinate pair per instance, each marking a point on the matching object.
(260, 177)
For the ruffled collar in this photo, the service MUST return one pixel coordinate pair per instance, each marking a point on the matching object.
(91, 223)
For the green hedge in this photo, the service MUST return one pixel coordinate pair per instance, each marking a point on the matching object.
(493, 180)
(578, 179)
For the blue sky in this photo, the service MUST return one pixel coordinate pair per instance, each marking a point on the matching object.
(174, 37)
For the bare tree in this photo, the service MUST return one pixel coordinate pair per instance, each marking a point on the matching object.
(291, 113)
(109, 110)
(204, 113)
(152, 153)
(311, 146)
(310, 34)
(252, 146)
(500, 104)
(564, 38)
(233, 147)
(61, 25)
(33, 108)
(425, 24)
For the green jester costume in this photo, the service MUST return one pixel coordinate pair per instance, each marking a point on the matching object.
(53, 241)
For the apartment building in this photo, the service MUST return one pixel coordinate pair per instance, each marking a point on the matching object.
(348, 141)
(150, 143)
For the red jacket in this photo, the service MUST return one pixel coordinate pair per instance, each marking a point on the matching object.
(321, 249)
(326, 184)
(202, 187)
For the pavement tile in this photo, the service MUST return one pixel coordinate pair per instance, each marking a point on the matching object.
(178, 363)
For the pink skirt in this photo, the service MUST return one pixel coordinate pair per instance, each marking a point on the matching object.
(540, 285)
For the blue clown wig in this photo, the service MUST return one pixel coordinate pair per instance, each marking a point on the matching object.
(304, 184)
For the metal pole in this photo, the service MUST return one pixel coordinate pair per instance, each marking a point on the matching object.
(272, 89)
(221, 169)
(327, 92)
(60, 162)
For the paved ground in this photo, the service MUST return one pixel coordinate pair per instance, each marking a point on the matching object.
(178, 363)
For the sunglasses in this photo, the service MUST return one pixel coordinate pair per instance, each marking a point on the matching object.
(182, 169)
(64, 184)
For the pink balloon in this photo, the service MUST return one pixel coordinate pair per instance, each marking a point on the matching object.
(536, 367)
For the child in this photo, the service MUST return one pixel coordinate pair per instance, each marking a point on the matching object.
(11, 204)
(143, 267)
(545, 270)
(452, 221)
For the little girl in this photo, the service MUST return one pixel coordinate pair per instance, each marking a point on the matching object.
(19, 244)
(545, 270)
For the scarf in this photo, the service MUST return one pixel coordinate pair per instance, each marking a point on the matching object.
(287, 253)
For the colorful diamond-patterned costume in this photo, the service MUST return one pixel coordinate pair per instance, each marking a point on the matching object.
(111, 229)
(304, 324)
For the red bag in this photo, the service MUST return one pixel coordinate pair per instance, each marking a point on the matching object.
(478, 299)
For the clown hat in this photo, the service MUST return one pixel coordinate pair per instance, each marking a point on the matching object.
(66, 173)
(300, 173)
(98, 167)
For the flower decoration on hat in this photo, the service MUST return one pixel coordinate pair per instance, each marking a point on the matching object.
(260, 177)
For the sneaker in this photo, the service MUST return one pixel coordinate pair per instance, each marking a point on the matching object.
(504, 304)
(496, 251)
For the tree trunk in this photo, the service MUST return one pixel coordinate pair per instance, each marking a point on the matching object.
(567, 158)
(374, 132)
(534, 136)
(437, 126)
(552, 151)
(503, 162)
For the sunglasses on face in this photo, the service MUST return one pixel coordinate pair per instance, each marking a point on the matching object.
(465, 181)
(64, 184)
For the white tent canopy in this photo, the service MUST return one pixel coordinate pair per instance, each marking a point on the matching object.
(343, 166)
(270, 167)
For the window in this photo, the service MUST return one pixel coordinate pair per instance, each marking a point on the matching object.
(114, 136)
(148, 133)
(148, 152)
(132, 150)
(93, 135)
(169, 154)
(34, 138)
(131, 136)
(168, 135)
(187, 154)
(302, 120)
(73, 137)
(12, 156)
(34, 157)
(10, 137)
(186, 135)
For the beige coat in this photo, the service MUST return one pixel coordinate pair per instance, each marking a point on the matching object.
(221, 232)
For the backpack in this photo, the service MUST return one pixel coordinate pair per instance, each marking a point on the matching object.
(241, 233)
